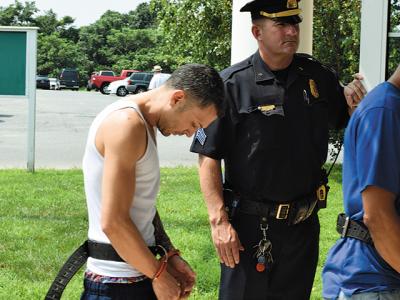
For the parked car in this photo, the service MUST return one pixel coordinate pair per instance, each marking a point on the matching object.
(139, 82)
(118, 87)
(100, 80)
(54, 83)
(90, 83)
(69, 79)
(42, 82)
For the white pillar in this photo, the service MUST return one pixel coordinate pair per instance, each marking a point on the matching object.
(306, 27)
(243, 42)
(374, 32)
(31, 59)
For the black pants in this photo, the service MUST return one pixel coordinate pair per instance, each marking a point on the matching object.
(295, 254)
(142, 290)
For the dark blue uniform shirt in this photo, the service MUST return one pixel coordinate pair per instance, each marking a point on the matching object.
(277, 155)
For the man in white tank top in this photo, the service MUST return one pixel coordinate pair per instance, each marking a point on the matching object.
(121, 174)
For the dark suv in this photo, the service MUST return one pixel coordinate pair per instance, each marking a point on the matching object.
(69, 79)
(42, 82)
(139, 82)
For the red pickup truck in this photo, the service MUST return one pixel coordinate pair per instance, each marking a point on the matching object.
(101, 79)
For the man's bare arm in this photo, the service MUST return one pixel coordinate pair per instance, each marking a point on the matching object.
(383, 223)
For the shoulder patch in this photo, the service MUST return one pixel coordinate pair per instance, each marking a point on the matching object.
(201, 136)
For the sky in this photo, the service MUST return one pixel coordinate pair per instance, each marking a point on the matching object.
(84, 12)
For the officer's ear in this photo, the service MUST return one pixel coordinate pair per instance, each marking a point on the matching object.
(256, 30)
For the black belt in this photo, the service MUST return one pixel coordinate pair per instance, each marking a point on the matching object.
(294, 212)
(107, 252)
(78, 259)
(354, 229)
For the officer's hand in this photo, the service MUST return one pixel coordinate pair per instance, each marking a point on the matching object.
(183, 273)
(354, 91)
(226, 242)
(166, 287)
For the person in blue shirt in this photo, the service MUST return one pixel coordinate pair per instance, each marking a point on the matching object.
(365, 262)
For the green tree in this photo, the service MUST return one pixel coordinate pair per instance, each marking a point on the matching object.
(394, 42)
(18, 14)
(337, 35)
(336, 42)
(48, 23)
(93, 38)
(55, 53)
(142, 17)
(196, 30)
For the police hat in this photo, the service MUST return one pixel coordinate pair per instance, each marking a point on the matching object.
(286, 11)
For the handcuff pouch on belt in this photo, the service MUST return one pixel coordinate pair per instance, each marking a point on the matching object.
(322, 195)
(231, 201)
(323, 190)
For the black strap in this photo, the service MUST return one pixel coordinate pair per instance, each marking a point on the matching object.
(353, 229)
(90, 248)
(105, 251)
(68, 270)
(336, 158)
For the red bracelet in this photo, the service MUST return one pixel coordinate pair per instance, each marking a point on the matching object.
(161, 269)
(163, 265)
(173, 252)
(164, 260)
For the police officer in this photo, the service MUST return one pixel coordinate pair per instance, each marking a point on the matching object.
(273, 140)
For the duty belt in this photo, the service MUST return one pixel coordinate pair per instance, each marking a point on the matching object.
(78, 259)
(353, 229)
(294, 212)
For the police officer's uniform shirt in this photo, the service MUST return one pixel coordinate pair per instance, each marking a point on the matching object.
(371, 158)
(278, 156)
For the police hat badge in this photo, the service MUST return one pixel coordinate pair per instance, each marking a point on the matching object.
(286, 11)
(291, 4)
(314, 88)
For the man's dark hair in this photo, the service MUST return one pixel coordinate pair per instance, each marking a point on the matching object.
(200, 82)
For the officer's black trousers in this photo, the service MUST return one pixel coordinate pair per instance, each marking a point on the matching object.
(295, 254)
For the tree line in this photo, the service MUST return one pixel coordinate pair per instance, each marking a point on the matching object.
(171, 33)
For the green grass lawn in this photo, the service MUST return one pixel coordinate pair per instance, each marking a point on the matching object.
(43, 219)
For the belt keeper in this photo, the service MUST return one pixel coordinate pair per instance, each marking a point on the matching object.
(345, 227)
(163, 265)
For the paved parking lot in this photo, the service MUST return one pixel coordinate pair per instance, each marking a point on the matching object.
(62, 122)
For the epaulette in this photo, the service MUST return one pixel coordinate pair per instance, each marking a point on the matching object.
(313, 59)
(229, 72)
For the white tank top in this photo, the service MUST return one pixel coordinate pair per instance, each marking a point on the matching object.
(143, 209)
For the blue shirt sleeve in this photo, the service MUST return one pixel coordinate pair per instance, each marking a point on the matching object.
(378, 150)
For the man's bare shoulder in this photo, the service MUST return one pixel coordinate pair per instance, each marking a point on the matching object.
(123, 132)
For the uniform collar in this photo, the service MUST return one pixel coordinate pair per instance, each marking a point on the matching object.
(263, 73)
